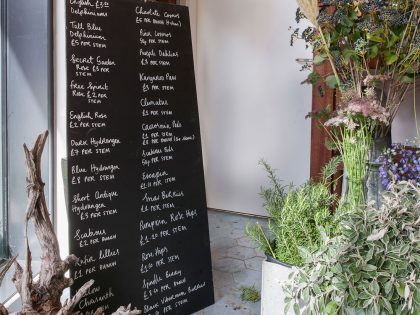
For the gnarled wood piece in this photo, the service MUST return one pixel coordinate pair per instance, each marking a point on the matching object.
(43, 297)
(26, 286)
(127, 311)
(69, 305)
(3, 271)
(9, 263)
(3, 310)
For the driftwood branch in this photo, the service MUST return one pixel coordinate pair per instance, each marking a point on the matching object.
(43, 296)
(3, 310)
(69, 305)
(127, 311)
(9, 263)
(3, 272)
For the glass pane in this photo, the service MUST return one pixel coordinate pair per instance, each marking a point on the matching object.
(28, 77)
(26, 103)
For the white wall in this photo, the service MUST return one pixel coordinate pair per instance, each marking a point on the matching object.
(404, 126)
(252, 105)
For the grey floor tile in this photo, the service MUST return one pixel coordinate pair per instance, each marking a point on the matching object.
(245, 241)
(248, 278)
(236, 263)
(254, 263)
(238, 252)
(229, 265)
(222, 279)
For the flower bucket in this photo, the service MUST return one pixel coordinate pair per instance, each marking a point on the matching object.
(274, 275)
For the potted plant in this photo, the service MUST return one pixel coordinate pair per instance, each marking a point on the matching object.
(371, 267)
(295, 219)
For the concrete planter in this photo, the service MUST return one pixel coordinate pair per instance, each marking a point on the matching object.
(274, 275)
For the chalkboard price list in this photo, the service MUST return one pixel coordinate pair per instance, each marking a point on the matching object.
(137, 208)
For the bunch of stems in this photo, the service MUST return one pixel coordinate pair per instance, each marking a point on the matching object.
(354, 146)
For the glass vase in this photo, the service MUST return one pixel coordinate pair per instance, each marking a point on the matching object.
(374, 184)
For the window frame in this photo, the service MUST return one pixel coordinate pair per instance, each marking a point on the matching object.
(4, 235)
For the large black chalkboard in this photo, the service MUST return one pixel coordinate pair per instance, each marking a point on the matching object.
(137, 207)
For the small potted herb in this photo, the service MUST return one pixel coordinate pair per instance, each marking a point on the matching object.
(296, 218)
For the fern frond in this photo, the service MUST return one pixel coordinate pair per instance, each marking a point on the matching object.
(330, 168)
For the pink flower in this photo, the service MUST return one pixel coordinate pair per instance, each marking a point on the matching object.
(336, 121)
(368, 107)
(353, 108)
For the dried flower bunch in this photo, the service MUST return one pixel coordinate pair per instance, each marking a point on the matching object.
(372, 267)
(369, 44)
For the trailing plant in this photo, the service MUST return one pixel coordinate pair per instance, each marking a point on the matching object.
(367, 43)
(371, 267)
(296, 216)
(400, 163)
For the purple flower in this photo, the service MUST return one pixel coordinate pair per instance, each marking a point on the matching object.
(399, 163)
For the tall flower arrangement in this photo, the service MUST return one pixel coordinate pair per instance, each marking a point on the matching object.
(367, 43)
(373, 47)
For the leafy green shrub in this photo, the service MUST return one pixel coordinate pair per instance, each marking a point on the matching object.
(372, 267)
(295, 217)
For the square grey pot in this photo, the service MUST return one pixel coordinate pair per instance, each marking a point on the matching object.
(274, 275)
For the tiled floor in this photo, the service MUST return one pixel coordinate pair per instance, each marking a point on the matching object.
(236, 263)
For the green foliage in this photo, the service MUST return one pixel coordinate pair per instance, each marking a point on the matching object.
(296, 217)
(250, 294)
(257, 234)
(371, 267)
(331, 168)
(330, 145)
(331, 81)
(306, 209)
(319, 60)
(313, 78)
